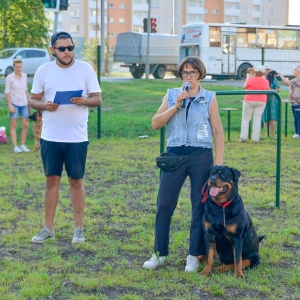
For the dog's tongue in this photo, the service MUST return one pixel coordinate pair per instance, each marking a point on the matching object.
(214, 191)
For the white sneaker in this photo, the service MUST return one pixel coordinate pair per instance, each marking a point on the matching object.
(192, 264)
(24, 148)
(154, 262)
(296, 136)
(17, 150)
(78, 236)
(44, 234)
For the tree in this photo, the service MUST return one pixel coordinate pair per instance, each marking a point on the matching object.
(90, 52)
(23, 24)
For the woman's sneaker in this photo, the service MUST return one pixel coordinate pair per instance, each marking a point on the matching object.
(24, 148)
(296, 136)
(192, 264)
(154, 262)
(17, 150)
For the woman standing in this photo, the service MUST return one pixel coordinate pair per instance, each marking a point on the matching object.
(294, 85)
(190, 128)
(270, 114)
(17, 97)
(254, 105)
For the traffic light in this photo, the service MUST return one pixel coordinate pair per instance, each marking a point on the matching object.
(55, 5)
(51, 5)
(153, 25)
(64, 4)
(145, 26)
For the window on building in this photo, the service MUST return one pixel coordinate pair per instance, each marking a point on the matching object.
(195, 18)
(195, 3)
(154, 3)
(75, 13)
(215, 11)
(110, 35)
(74, 28)
(110, 5)
(95, 27)
(271, 11)
(122, 6)
(244, 8)
(111, 20)
(74, 1)
(121, 20)
(76, 42)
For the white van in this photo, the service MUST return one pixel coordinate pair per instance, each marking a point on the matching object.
(32, 58)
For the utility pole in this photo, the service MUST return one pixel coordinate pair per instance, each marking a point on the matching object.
(102, 35)
(148, 39)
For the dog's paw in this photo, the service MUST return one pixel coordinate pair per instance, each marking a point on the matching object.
(206, 271)
(224, 268)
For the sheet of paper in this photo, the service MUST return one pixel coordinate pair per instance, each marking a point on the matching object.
(63, 98)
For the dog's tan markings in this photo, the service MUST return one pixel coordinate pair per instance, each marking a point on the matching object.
(207, 225)
(231, 228)
(225, 268)
(209, 260)
(238, 272)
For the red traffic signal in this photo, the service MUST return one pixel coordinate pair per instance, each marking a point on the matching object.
(153, 25)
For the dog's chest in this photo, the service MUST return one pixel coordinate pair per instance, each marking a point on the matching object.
(223, 219)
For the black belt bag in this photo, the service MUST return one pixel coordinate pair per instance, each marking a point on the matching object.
(169, 162)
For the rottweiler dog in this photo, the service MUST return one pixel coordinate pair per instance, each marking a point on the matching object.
(229, 231)
(37, 129)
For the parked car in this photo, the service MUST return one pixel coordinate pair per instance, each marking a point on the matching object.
(32, 58)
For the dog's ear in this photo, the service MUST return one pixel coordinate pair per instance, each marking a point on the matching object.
(236, 174)
(209, 170)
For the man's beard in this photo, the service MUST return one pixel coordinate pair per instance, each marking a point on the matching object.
(65, 63)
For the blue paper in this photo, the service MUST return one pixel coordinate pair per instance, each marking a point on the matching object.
(64, 97)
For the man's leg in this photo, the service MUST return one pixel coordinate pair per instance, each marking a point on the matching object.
(51, 199)
(77, 191)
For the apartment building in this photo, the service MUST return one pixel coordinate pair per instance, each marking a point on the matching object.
(83, 17)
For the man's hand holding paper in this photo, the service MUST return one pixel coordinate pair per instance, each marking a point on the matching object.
(64, 98)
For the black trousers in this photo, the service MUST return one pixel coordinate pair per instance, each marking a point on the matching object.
(170, 186)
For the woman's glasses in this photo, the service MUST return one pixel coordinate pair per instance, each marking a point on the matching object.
(186, 74)
(63, 49)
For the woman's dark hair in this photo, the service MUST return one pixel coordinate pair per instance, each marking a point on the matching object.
(196, 63)
(271, 76)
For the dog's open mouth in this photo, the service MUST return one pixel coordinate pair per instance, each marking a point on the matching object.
(214, 190)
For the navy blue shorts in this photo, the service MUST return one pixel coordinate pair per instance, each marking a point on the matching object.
(56, 154)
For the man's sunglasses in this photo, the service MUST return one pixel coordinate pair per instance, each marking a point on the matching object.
(63, 49)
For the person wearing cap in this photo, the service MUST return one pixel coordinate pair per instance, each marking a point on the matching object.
(254, 105)
(270, 114)
(64, 137)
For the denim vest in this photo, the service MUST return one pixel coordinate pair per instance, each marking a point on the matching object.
(196, 130)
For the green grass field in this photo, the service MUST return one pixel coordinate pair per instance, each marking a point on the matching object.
(121, 188)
